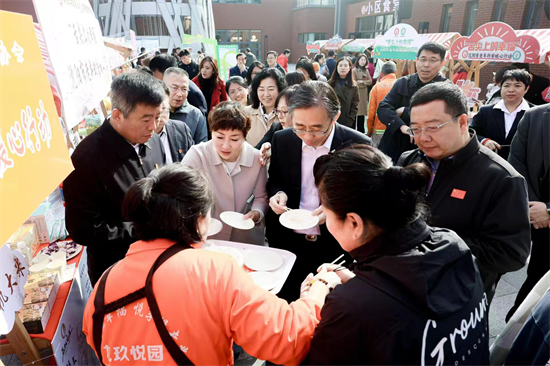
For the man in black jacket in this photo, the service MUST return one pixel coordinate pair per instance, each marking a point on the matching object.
(187, 64)
(394, 111)
(497, 124)
(123, 150)
(530, 155)
(240, 68)
(476, 193)
(314, 109)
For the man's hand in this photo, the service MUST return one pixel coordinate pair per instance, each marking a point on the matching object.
(265, 153)
(278, 203)
(400, 111)
(405, 131)
(541, 225)
(254, 215)
(319, 211)
(241, 66)
(538, 212)
(492, 145)
(342, 272)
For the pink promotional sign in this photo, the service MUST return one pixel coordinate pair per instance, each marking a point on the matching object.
(496, 41)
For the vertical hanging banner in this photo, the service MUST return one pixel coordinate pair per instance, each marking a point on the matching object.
(227, 58)
(33, 154)
(496, 41)
(78, 55)
(210, 45)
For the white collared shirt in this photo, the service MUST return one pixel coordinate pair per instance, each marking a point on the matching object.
(510, 117)
(309, 197)
(164, 139)
(267, 117)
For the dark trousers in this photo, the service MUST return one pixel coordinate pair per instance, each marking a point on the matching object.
(539, 265)
(361, 124)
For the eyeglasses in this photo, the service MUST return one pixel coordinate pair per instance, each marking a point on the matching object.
(175, 88)
(281, 113)
(430, 130)
(431, 61)
(313, 133)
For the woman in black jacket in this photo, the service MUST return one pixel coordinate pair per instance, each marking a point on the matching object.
(414, 295)
(343, 83)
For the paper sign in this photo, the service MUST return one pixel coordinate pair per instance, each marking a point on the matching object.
(13, 276)
(470, 90)
(496, 41)
(210, 45)
(312, 47)
(33, 156)
(334, 43)
(400, 42)
(227, 58)
(78, 55)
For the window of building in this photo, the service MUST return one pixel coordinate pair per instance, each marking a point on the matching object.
(446, 22)
(186, 21)
(499, 11)
(423, 27)
(471, 14)
(533, 8)
(370, 27)
(244, 38)
(300, 3)
(149, 25)
(236, 1)
(310, 37)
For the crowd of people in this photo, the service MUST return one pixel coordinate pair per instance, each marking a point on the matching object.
(428, 208)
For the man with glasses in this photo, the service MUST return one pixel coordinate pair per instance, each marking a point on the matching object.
(472, 191)
(177, 81)
(393, 110)
(314, 109)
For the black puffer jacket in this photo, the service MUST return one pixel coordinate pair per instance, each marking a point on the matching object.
(417, 299)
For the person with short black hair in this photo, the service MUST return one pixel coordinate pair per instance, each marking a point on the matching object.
(306, 67)
(265, 88)
(234, 170)
(472, 191)
(271, 61)
(295, 77)
(142, 55)
(181, 109)
(240, 69)
(212, 87)
(405, 274)
(188, 64)
(364, 81)
(122, 150)
(496, 125)
(495, 96)
(253, 70)
(283, 59)
(321, 60)
(166, 274)
(343, 83)
(200, 56)
(394, 110)
(237, 90)
(250, 58)
(314, 109)
(538, 84)
(331, 63)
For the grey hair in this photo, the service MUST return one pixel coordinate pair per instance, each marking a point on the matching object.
(389, 68)
(177, 71)
(130, 89)
(311, 94)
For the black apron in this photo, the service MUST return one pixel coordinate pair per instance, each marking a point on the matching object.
(145, 292)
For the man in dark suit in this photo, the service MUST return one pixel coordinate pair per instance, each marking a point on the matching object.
(120, 152)
(187, 64)
(240, 69)
(175, 135)
(314, 109)
(530, 155)
(393, 110)
(496, 125)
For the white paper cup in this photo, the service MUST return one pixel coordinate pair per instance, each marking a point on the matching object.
(39, 267)
(59, 266)
(58, 255)
(41, 258)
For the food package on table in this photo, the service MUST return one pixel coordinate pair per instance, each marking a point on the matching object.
(44, 220)
(39, 294)
(35, 317)
(43, 280)
(26, 233)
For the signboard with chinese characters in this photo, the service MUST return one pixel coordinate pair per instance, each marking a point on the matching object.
(496, 41)
(78, 55)
(13, 276)
(69, 343)
(334, 43)
(33, 155)
(210, 45)
(380, 6)
(400, 42)
(470, 90)
(227, 58)
(313, 47)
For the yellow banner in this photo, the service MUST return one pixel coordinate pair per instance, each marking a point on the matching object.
(33, 153)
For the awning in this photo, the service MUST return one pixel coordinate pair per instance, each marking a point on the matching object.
(543, 36)
(446, 39)
(359, 45)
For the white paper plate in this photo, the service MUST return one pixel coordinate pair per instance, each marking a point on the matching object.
(215, 227)
(266, 280)
(262, 261)
(298, 219)
(236, 254)
(235, 220)
(70, 248)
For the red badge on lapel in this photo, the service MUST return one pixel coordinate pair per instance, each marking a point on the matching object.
(457, 193)
(181, 151)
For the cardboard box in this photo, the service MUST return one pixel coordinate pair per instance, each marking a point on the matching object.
(39, 294)
(43, 280)
(35, 317)
(43, 219)
(28, 234)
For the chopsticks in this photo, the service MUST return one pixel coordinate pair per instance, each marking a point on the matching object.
(337, 259)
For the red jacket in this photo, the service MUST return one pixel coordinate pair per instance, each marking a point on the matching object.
(218, 95)
(283, 61)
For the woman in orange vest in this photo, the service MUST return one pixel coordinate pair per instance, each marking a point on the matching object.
(168, 303)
